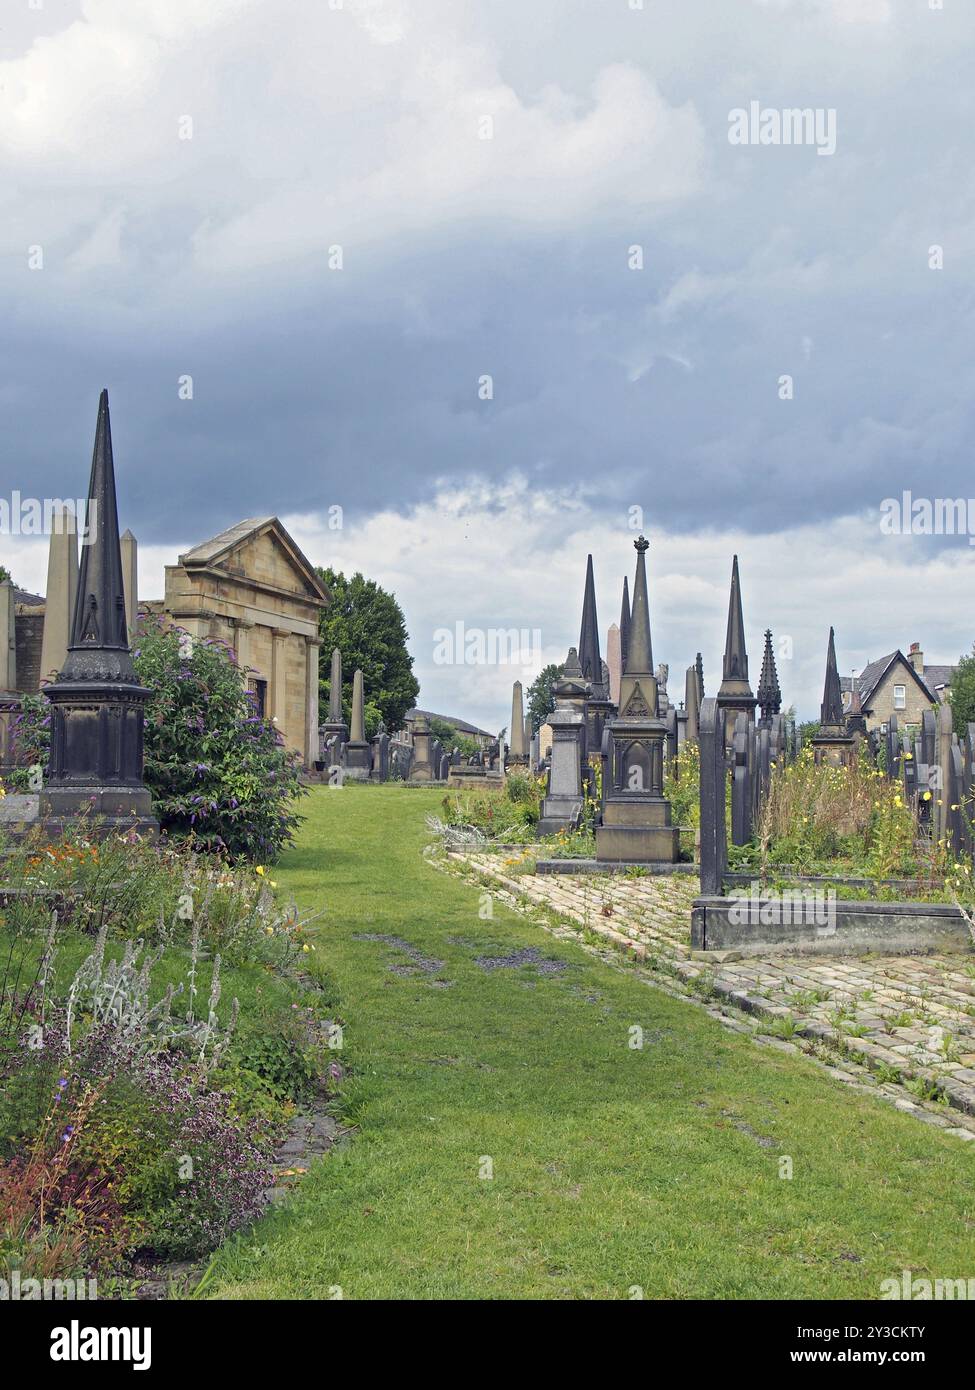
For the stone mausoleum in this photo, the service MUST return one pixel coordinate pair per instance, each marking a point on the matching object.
(252, 588)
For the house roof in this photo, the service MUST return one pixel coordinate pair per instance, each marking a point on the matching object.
(873, 673)
(461, 725)
(27, 599)
(211, 552)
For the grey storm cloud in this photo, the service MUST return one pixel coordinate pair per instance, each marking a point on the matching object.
(358, 127)
(508, 257)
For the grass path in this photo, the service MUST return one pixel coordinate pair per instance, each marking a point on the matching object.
(612, 1167)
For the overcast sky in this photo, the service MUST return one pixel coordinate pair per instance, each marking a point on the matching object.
(360, 125)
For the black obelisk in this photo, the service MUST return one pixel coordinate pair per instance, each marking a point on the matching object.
(97, 702)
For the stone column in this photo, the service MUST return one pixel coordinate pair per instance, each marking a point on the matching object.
(8, 638)
(130, 579)
(312, 649)
(62, 588)
(422, 770)
(243, 651)
(278, 701)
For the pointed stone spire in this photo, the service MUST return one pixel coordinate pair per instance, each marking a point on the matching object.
(639, 648)
(335, 715)
(589, 655)
(624, 622)
(768, 693)
(735, 694)
(735, 657)
(61, 592)
(99, 644)
(357, 731)
(98, 704)
(699, 667)
(831, 710)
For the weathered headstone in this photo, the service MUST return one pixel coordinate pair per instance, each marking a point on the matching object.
(714, 776)
(562, 806)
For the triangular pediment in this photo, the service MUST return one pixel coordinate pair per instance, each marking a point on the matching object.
(637, 705)
(262, 552)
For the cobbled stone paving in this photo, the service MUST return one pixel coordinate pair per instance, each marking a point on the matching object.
(900, 1026)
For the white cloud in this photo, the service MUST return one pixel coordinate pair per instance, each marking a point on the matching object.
(329, 125)
(507, 557)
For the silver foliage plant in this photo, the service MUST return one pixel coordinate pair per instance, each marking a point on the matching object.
(117, 993)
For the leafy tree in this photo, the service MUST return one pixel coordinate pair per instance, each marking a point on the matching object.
(5, 575)
(217, 770)
(367, 625)
(541, 701)
(453, 738)
(961, 695)
(808, 731)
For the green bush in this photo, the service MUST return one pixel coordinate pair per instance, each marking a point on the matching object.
(217, 770)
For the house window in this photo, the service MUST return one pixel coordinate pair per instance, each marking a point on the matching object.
(900, 697)
(259, 691)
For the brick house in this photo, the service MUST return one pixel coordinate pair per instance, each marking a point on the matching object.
(898, 684)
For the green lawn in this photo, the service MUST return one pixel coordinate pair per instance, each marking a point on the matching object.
(612, 1167)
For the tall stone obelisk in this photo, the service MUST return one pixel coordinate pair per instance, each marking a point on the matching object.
(517, 747)
(97, 701)
(358, 754)
(62, 588)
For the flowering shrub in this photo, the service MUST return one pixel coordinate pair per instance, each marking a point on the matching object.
(218, 771)
(185, 1172)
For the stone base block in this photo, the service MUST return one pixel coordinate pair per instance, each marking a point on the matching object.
(357, 762)
(559, 813)
(635, 844)
(107, 810)
(636, 812)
